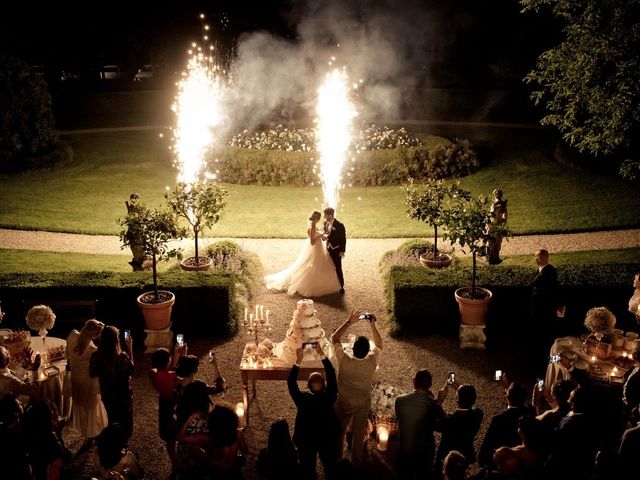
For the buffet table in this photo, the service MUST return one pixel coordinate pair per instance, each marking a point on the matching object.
(50, 378)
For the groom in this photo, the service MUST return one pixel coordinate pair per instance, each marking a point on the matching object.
(336, 238)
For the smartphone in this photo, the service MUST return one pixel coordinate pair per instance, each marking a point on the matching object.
(212, 356)
(451, 378)
(366, 316)
(540, 385)
(309, 346)
(127, 335)
(554, 358)
(180, 339)
(498, 375)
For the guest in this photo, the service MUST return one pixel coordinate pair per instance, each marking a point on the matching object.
(113, 368)
(634, 301)
(14, 456)
(10, 382)
(47, 454)
(628, 452)
(414, 412)
(164, 379)
(497, 222)
(227, 444)
(317, 428)
(631, 388)
(279, 461)
(455, 466)
(88, 412)
(459, 429)
(560, 393)
(530, 451)
(503, 429)
(113, 456)
(354, 382)
(186, 369)
(193, 442)
(576, 441)
(544, 305)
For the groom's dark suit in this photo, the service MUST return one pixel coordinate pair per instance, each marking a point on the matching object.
(336, 244)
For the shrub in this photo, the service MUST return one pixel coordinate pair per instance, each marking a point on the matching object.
(230, 257)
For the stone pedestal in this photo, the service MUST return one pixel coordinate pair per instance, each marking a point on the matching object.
(472, 337)
(158, 339)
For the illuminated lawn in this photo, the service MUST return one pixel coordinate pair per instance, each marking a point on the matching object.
(89, 195)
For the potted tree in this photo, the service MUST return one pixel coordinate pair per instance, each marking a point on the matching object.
(427, 203)
(155, 228)
(466, 225)
(200, 204)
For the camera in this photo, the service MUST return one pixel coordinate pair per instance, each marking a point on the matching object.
(366, 316)
(180, 339)
(309, 345)
(451, 378)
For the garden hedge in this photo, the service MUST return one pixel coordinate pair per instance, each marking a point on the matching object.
(205, 302)
(421, 300)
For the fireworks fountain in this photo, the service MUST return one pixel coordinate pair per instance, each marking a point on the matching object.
(198, 109)
(334, 118)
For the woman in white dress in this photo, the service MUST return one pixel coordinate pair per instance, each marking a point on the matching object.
(88, 412)
(313, 274)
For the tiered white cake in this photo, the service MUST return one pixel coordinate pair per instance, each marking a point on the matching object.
(305, 327)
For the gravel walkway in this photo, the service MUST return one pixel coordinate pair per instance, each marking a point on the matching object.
(364, 290)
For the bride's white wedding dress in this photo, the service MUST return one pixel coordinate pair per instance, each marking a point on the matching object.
(313, 274)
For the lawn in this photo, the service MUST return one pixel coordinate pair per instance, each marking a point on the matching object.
(88, 195)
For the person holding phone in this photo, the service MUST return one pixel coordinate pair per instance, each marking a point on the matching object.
(355, 378)
(113, 367)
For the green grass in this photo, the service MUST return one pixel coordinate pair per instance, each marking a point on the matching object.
(88, 195)
(32, 261)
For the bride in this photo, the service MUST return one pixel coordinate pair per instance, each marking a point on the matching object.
(313, 274)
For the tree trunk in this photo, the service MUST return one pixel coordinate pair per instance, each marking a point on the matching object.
(473, 276)
(155, 277)
(195, 235)
(435, 242)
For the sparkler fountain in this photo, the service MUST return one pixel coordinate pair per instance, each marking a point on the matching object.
(335, 114)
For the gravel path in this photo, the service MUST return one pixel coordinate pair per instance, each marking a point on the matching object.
(363, 290)
(524, 244)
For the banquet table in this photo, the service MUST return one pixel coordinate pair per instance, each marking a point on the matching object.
(584, 361)
(50, 387)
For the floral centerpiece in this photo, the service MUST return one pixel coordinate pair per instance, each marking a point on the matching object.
(383, 402)
(600, 322)
(41, 318)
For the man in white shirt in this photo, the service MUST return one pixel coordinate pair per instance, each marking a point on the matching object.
(9, 382)
(355, 376)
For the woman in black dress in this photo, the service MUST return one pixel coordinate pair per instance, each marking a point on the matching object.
(114, 367)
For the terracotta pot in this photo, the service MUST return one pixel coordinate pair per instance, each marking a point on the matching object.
(425, 261)
(188, 264)
(157, 316)
(473, 311)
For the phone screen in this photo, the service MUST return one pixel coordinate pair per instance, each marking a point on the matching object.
(452, 378)
(309, 346)
(180, 339)
(126, 335)
(498, 375)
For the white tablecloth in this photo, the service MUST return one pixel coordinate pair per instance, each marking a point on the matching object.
(50, 387)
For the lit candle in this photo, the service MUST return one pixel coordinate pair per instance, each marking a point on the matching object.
(257, 311)
(593, 358)
(240, 414)
(261, 312)
(383, 438)
(246, 311)
(267, 318)
(251, 322)
(615, 369)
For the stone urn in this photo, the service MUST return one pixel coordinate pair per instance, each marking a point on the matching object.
(473, 311)
(157, 315)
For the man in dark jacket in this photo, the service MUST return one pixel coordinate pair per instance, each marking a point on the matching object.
(503, 429)
(317, 428)
(544, 307)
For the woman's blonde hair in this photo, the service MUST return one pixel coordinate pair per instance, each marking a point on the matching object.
(93, 327)
(315, 213)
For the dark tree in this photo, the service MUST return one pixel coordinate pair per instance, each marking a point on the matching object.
(589, 84)
(26, 116)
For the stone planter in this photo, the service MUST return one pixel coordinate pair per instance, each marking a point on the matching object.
(193, 264)
(473, 311)
(427, 260)
(157, 316)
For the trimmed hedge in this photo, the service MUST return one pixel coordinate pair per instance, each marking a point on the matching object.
(205, 302)
(438, 158)
(420, 300)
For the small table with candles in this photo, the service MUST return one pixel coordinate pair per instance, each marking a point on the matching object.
(51, 374)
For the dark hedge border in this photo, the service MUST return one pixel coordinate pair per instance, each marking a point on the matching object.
(206, 302)
(420, 300)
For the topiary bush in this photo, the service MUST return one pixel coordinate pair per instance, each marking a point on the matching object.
(230, 257)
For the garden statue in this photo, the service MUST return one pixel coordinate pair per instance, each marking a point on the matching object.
(495, 227)
(139, 261)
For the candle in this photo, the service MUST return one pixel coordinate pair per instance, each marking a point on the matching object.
(251, 322)
(261, 312)
(246, 310)
(267, 318)
(257, 312)
(593, 358)
(383, 438)
(615, 369)
(240, 414)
